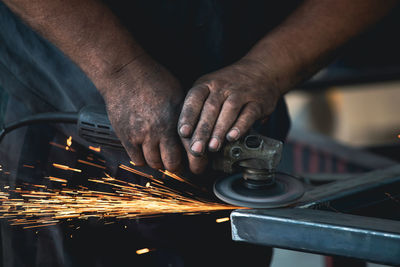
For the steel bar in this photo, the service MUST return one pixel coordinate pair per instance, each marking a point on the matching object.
(370, 239)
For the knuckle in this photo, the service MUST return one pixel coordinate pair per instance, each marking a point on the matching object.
(254, 110)
(242, 123)
(171, 159)
(212, 107)
(204, 131)
(232, 102)
(198, 90)
(187, 114)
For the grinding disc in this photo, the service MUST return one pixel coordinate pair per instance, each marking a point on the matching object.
(284, 192)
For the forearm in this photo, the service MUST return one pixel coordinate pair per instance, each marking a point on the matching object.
(309, 37)
(85, 30)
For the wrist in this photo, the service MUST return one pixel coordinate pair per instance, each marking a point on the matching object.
(140, 78)
(279, 60)
(123, 75)
(265, 74)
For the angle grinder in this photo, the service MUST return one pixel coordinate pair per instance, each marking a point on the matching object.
(254, 157)
(258, 185)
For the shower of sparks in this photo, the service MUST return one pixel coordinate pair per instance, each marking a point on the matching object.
(37, 205)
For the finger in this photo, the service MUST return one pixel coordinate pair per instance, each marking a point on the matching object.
(196, 164)
(206, 123)
(228, 115)
(251, 112)
(170, 154)
(135, 154)
(151, 152)
(191, 109)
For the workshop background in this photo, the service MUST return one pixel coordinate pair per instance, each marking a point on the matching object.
(362, 116)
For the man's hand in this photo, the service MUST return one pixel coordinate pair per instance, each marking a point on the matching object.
(143, 102)
(223, 104)
(228, 101)
(142, 97)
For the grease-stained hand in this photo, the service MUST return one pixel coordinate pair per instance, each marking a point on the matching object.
(225, 104)
(143, 101)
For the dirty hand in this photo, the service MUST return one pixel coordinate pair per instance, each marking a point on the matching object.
(225, 104)
(143, 101)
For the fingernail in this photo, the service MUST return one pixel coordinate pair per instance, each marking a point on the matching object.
(214, 144)
(184, 130)
(197, 147)
(233, 134)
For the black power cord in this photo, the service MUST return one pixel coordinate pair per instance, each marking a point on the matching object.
(50, 117)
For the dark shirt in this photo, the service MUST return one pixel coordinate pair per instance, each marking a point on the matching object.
(192, 38)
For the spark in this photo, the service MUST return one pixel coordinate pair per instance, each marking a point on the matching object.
(28, 166)
(173, 175)
(55, 179)
(91, 164)
(133, 163)
(69, 141)
(142, 251)
(62, 146)
(124, 167)
(64, 167)
(96, 149)
(176, 177)
(221, 220)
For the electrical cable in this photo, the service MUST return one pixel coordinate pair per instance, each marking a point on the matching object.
(50, 117)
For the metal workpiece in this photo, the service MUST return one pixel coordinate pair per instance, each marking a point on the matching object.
(369, 239)
(353, 184)
(305, 228)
